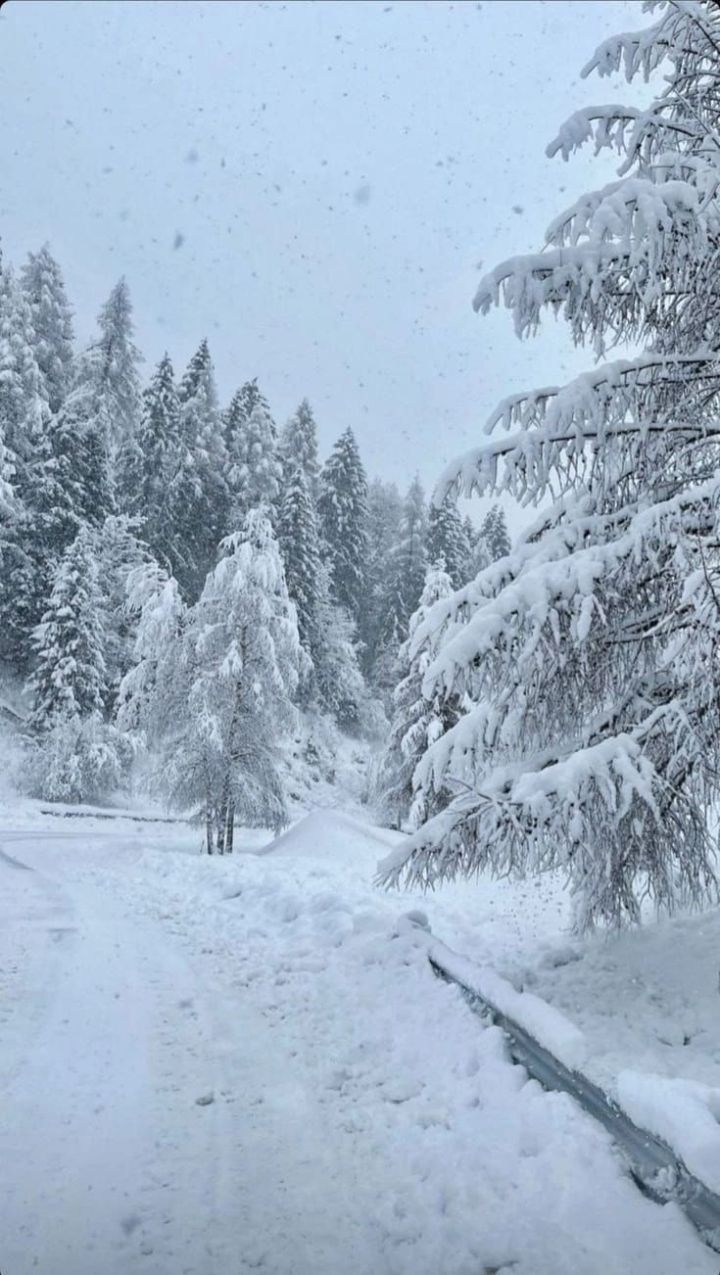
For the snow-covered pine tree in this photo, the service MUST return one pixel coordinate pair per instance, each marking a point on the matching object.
(298, 446)
(256, 468)
(28, 460)
(591, 652)
(148, 460)
(243, 653)
(337, 677)
(10, 517)
(117, 361)
(406, 575)
(76, 755)
(494, 533)
(478, 555)
(342, 507)
(69, 678)
(79, 441)
(44, 290)
(153, 693)
(417, 722)
(384, 514)
(297, 533)
(119, 556)
(199, 491)
(447, 539)
(24, 408)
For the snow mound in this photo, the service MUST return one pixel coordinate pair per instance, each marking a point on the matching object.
(552, 1029)
(684, 1113)
(331, 834)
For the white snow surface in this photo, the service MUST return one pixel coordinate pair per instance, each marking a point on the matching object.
(225, 1065)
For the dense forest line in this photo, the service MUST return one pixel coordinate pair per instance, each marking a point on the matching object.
(185, 577)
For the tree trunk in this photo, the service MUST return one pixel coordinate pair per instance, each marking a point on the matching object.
(222, 838)
(209, 829)
(230, 826)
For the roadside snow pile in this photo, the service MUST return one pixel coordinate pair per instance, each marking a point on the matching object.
(547, 1025)
(326, 833)
(685, 1114)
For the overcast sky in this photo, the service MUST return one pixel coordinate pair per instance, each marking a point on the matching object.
(314, 186)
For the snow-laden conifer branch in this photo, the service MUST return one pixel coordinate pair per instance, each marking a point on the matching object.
(586, 660)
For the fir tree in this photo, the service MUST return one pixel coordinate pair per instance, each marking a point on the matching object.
(299, 448)
(69, 679)
(384, 515)
(495, 534)
(447, 539)
(24, 408)
(342, 507)
(119, 555)
(338, 682)
(198, 492)
(51, 320)
(117, 361)
(405, 584)
(256, 473)
(29, 464)
(148, 460)
(299, 543)
(80, 449)
(417, 722)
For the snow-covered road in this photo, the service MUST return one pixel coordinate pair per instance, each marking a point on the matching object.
(226, 1066)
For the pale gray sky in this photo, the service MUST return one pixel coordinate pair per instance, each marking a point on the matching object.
(314, 186)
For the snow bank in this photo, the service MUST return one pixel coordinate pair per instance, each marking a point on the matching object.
(682, 1112)
(332, 834)
(546, 1024)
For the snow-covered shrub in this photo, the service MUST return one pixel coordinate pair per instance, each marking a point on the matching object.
(77, 760)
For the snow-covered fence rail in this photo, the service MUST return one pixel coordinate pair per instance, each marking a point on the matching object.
(655, 1168)
(64, 813)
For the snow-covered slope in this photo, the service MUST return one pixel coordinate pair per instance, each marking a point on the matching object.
(245, 1064)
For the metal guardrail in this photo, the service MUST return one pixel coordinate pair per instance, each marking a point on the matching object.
(654, 1167)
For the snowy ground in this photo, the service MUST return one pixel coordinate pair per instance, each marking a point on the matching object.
(221, 1066)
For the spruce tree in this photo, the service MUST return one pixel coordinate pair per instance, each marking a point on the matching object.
(79, 439)
(25, 426)
(24, 410)
(418, 721)
(119, 555)
(51, 319)
(148, 461)
(384, 515)
(406, 577)
(447, 539)
(495, 534)
(256, 471)
(298, 446)
(198, 492)
(69, 679)
(117, 361)
(342, 507)
(297, 534)
(337, 678)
